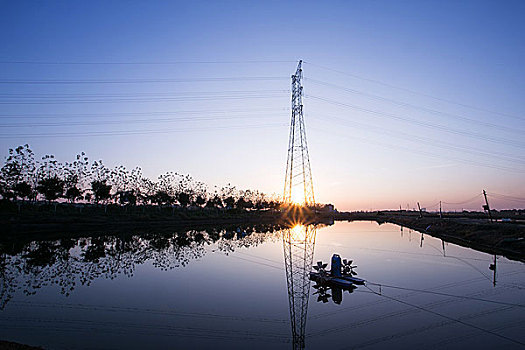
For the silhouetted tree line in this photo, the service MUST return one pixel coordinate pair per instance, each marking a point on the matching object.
(22, 178)
(70, 262)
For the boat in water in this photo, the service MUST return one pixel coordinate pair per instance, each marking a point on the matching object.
(341, 273)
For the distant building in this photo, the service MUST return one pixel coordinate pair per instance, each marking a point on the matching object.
(327, 208)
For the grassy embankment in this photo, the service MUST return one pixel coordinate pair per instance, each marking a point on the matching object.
(29, 218)
(49, 220)
(472, 230)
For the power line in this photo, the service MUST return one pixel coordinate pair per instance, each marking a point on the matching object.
(426, 328)
(258, 262)
(134, 81)
(418, 151)
(450, 318)
(425, 109)
(415, 92)
(431, 206)
(424, 124)
(413, 138)
(137, 132)
(109, 114)
(228, 334)
(476, 197)
(432, 255)
(141, 100)
(501, 326)
(447, 295)
(145, 63)
(129, 121)
(134, 94)
(381, 317)
(409, 294)
(506, 196)
(168, 312)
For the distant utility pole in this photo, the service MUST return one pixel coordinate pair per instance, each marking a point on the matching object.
(486, 206)
(420, 212)
(440, 213)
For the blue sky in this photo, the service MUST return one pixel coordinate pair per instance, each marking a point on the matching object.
(404, 101)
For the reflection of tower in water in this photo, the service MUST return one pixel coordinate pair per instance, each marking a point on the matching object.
(298, 245)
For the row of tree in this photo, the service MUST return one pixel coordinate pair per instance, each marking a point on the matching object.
(22, 177)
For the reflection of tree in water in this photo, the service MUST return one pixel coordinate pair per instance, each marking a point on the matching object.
(249, 236)
(69, 262)
(6, 277)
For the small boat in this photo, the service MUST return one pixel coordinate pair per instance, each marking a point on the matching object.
(341, 273)
(324, 279)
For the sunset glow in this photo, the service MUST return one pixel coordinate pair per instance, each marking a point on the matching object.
(388, 125)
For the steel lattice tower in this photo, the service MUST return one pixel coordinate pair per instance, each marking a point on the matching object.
(298, 185)
(298, 245)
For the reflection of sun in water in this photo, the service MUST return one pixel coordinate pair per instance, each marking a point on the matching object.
(298, 232)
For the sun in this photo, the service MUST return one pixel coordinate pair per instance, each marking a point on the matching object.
(297, 197)
(297, 201)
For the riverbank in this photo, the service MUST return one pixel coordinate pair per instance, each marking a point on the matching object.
(468, 230)
(56, 221)
(28, 223)
(503, 237)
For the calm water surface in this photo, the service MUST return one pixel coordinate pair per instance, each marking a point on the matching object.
(228, 289)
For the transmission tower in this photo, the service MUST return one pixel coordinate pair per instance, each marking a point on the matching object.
(298, 185)
(298, 244)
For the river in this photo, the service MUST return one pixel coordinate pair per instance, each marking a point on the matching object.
(230, 288)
